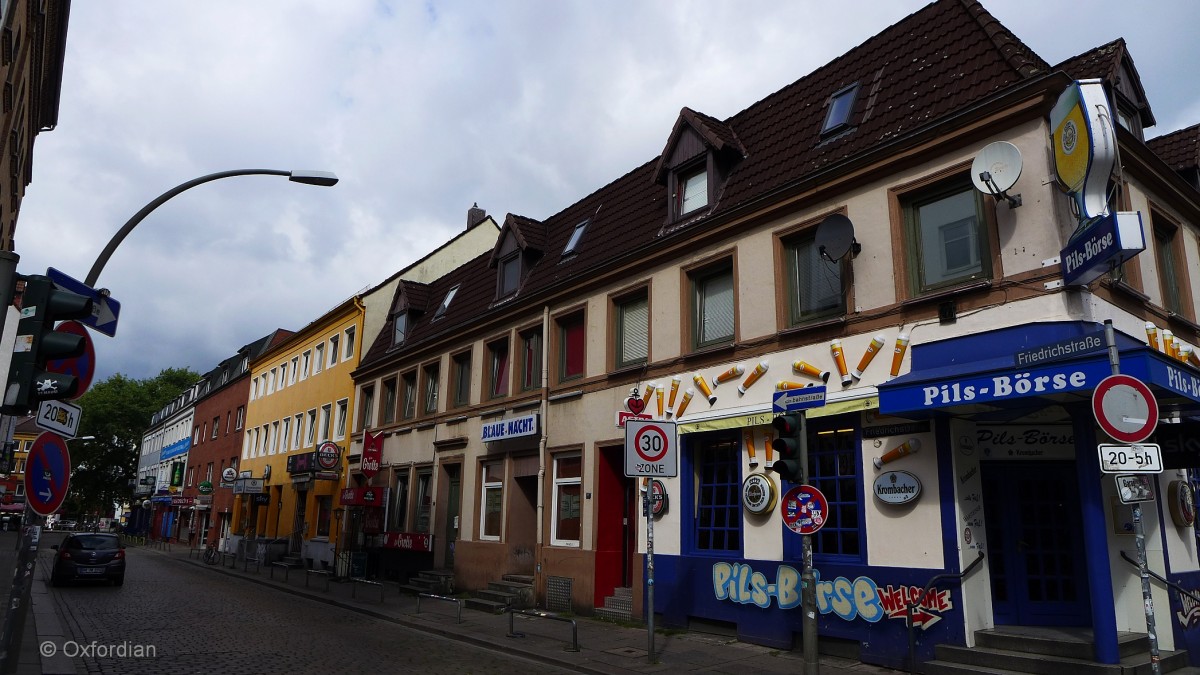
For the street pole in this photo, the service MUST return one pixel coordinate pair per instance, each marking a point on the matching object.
(1139, 530)
(808, 579)
(647, 504)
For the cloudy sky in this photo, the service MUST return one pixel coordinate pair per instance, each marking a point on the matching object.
(421, 109)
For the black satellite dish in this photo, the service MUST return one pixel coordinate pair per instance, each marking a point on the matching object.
(835, 238)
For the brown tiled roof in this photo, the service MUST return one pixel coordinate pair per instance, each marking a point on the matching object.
(1104, 63)
(928, 66)
(1179, 149)
(530, 235)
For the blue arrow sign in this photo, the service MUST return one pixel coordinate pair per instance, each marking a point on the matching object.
(105, 309)
(47, 473)
(798, 399)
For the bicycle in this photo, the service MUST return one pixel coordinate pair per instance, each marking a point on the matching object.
(211, 555)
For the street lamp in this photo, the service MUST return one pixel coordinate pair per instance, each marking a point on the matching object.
(321, 178)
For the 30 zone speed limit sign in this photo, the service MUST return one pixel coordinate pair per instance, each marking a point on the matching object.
(650, 449)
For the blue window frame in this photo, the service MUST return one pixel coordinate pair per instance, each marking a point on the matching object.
(833, 468)
(716, 499)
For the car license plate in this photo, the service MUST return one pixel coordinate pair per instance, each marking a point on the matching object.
(91, 570)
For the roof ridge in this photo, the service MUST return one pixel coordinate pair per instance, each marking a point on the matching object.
(1020, 57)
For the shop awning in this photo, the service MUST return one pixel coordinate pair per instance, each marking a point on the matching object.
(836, 404)
(1005, 372)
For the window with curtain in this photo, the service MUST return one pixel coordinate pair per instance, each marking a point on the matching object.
(633, 330)
(714, 309)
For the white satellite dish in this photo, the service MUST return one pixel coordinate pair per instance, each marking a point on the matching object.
(835, 238)
(996, 169)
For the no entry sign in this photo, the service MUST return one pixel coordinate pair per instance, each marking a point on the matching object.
(1125, 408)
(650, 449)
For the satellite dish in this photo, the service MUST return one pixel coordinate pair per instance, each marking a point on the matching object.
(996, 169)
(835, 238)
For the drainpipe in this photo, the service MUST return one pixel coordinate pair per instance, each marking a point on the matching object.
(543, 441)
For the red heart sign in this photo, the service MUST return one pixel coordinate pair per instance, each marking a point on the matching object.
(635, 405)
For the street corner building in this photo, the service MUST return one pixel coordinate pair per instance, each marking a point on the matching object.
(949, 242)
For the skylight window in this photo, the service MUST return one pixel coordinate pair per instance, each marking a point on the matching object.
(445, 303)
(840, 105)
(576, 236)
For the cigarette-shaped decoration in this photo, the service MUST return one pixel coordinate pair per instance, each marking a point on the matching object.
(659, 394)
(1152, 335)
(898, 354)
(748, 439)
(784, 385)
(872, 350)
(683, 402)
(835, 348)
(1185, 352)
(767, 441)
(759, 371)
(1166, 340)
(806, 368)
(702, 385)
(649, 392)
(731, 374)
(674, 391)
(904, 449)
(1176, 346)
(1194, 358)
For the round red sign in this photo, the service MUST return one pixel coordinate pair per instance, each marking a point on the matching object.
(328, 455)
(805, 509)
(1125, 408)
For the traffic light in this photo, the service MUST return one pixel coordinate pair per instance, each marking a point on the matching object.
(787, 444)
(43, 304)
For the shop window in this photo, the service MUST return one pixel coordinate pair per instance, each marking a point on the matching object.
(570, 347)
(492, 502)
(713, 308)
(531, 359)
(632, 329)
(814, 283)
(498, 368)
(424, 500)
(948, 242)
(717, 502)
(567, 475)
(462, 379)
(398, 513)
(324, 511)
(833, 469)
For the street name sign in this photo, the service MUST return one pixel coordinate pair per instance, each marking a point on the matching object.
(798, 399)
(105, 310)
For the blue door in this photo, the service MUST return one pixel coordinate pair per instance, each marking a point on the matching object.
(1035, 544)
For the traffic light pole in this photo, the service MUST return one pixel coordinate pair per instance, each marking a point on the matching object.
(808, 579)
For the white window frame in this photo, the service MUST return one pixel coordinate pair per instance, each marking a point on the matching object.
(334, 350)
(486, 486)
(283, 372)
(310, 435)
(285, 435)
(306, 361)
(339, 429)
(298, 438)
(295, 369)
(348, 350)
(318, 361)
(559, 483)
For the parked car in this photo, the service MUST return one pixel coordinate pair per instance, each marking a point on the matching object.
(89, 556)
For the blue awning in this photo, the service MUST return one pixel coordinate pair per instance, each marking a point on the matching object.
(1060, 363)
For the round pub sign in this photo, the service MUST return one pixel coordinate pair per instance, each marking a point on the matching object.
(328, 455)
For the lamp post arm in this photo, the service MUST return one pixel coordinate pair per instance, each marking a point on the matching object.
(138, 217)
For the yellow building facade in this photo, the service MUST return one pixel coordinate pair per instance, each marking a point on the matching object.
(297, 424)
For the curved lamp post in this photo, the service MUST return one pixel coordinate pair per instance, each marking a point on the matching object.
(322, 178)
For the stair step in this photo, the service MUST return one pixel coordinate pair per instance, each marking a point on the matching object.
(485, 605)
(619, 604)
(1056, 642)
(938, 667)
(497, 596)
(519, 578)
(509, 586)
(612, 614)
(1022, 661)
(623, 592)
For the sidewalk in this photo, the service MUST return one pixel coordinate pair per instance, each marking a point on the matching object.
(603, 647)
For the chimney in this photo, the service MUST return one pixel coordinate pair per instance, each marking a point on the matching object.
(475, 215)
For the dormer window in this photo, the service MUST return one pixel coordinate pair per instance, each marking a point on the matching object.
(841, 104)
(692, 191)
(399, 328)
(576, 236)
(441, 310)
(510, 275)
